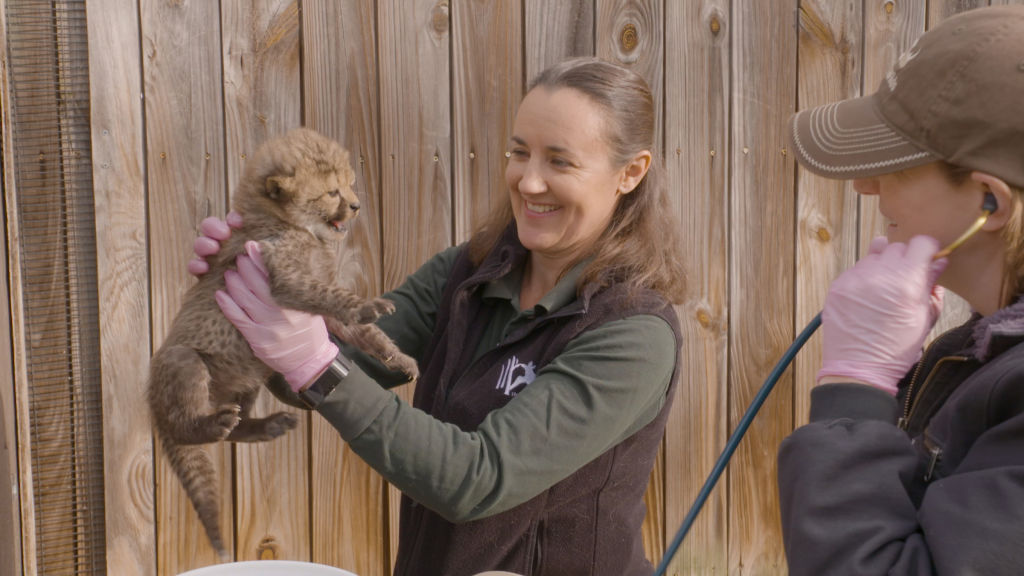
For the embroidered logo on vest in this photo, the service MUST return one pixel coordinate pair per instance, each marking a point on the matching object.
(515, 376)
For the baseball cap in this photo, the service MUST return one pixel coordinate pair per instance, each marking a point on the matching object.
(957, 95)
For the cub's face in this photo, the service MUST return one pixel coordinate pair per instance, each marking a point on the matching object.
(318, 198)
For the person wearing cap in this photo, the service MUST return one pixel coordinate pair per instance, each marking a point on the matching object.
(913, 463)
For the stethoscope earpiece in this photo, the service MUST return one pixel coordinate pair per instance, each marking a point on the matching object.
(990, 205)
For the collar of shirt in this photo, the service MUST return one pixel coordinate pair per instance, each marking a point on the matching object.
(508, 287)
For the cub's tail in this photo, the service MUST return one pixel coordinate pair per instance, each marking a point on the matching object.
(194, 467)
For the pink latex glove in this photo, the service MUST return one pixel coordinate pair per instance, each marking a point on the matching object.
(212, 231)
(878, 313)
(288, 341)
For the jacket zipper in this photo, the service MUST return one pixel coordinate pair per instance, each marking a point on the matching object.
(909, 406)
(904, 421)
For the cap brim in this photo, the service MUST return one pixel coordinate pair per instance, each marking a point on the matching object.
(848, 139)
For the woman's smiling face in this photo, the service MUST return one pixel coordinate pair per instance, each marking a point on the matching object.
(561, 178)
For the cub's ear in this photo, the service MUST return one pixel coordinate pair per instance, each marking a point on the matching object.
(279, 187)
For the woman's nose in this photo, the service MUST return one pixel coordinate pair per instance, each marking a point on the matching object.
(532, 180)
(868, 186)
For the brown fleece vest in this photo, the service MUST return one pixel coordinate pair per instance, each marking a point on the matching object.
(589, 523)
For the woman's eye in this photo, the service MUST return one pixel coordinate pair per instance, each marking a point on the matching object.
(560, 162)
(518, 153)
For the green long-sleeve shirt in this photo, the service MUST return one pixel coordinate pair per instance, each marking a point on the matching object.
(607, 384)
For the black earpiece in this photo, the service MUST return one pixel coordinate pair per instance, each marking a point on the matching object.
(990, 205)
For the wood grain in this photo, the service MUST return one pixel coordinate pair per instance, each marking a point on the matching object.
(122, 264)
(186, 181)
(556, 31)
(762, 272)
(826, 242)
(340, 99)
(414, 47)
(697, 89)
(631, 33)
(262, 95)
(487, 86)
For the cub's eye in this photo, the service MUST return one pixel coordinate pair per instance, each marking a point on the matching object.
(334, 193)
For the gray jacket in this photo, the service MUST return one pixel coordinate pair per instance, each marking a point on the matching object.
(929, 483)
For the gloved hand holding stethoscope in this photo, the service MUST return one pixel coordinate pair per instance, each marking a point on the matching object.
(878, 313)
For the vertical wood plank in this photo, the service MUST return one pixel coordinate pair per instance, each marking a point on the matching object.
(487, 86)
(119, 188)
(556, 31)
(262, 79)
(829, 36)
(697, 88)
(414, 47)
(340, 100)
(762, 271)
(10, 522)
(186, 180)
(632, 33)
(11, 372)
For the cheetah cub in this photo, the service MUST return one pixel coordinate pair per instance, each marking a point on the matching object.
(296, 199)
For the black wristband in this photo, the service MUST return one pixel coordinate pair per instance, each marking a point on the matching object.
(336, 371)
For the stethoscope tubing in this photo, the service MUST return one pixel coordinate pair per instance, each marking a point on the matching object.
(734, 440)
(988, 207)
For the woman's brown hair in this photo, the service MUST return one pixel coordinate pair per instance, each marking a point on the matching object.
(640, 248)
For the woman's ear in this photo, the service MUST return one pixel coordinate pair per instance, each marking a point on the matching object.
(634, 172)
(1003, 195)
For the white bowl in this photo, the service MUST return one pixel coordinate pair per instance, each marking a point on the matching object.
(268, 568)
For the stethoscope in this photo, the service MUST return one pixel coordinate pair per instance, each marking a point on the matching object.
(987, 208)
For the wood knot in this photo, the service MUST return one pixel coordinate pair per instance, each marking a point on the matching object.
(267, 548)
(703, 318)
(716, 26)
(890, 6)
(823, 234)
(629, 38)
(439, 18)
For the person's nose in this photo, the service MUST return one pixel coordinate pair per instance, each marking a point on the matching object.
(532, 180)
(866, 186)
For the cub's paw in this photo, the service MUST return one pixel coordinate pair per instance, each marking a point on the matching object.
(278, 423)
(224, 420)
(373, 309)
(404, 363)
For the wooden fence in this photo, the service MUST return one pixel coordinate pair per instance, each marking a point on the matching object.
(424, 92)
